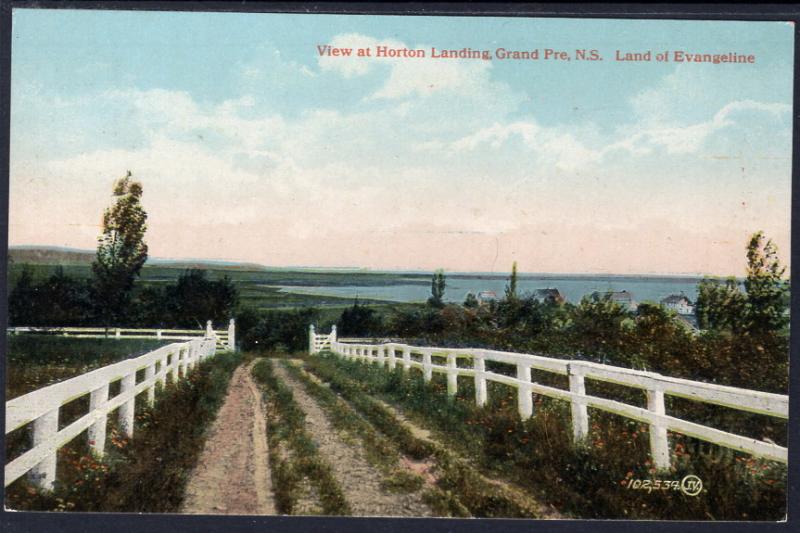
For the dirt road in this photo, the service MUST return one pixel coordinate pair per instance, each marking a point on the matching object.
(232, 475)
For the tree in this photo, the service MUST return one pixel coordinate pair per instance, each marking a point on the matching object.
(720, 305)
(511, 288)
(359, 320)
(121, 252)
(195, 299)
(471, 301)
(765, 286)
(22, 302)
(438, 284)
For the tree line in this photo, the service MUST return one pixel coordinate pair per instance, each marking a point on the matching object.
(743, 335)
(112, 296)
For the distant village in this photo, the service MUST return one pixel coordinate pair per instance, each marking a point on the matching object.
(679, 303)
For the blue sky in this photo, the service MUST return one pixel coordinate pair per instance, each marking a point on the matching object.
(252, 147)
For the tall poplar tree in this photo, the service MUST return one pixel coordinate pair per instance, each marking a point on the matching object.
(121, 252)
(438, 285)
(511, 288)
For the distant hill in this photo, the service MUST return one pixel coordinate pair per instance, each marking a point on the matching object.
(49, 255)
(56, 255)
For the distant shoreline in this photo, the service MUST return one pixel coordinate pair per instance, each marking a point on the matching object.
(54, 255)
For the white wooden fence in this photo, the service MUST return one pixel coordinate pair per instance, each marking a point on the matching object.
(472, 363)
(41, 407)
(225, 338)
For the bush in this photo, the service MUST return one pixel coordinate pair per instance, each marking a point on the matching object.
(288, 329)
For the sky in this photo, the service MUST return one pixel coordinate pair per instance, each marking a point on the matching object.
(250, 146)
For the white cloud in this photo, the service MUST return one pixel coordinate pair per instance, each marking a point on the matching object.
(431, 158)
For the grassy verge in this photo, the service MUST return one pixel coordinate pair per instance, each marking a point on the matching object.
(585, 481)
(293, 454)
(149, 472)
(461, 489)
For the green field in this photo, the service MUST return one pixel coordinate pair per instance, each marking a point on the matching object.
(257, 288)
(35, 361)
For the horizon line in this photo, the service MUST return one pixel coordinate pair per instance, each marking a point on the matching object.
(395, 270)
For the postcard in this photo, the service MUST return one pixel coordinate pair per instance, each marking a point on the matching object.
(398, 266)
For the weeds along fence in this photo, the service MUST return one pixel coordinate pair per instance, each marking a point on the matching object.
(41, 407)
(226, 338)
(472, 363)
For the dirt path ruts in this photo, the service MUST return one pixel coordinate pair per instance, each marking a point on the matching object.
(359, 480)
(232, 474)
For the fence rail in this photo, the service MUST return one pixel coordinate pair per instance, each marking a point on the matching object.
(41, 407)
(225, 337)
(656, 386)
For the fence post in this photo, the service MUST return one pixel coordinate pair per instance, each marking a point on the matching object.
(452, 375)
(44, 429)
(381, 355)
(184, 362)
(479, 365)
(126, 410)
(427, 371)
(158, 333)
(524, 398)
(117, 333)
(333, 334)
(173, 363)
(406, 359)
(659, 445)
(232, 335)
(209, 330)
(580, 414)
(149, 373)
(97, 431)
(392, 357)
(312, 340)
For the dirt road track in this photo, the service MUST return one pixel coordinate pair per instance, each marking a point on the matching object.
(232, 475)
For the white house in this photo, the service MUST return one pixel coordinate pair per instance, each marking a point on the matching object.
(678, 303)
(622, 298)
(484, 297)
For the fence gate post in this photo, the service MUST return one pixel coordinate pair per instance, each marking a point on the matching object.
(209, 330)
(97, 431)
(44, 429)
(659, 445)
(524, 398)
(406, 359)
(392, 357)
(312, 340)
(232, 335)
(126, 410)
(479, 365)
(580, 414)
(427, 371)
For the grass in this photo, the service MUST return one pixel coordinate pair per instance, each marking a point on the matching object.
(293, 454)
(582, 481)
(149, 472)
(35, 361)
(461, 489)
